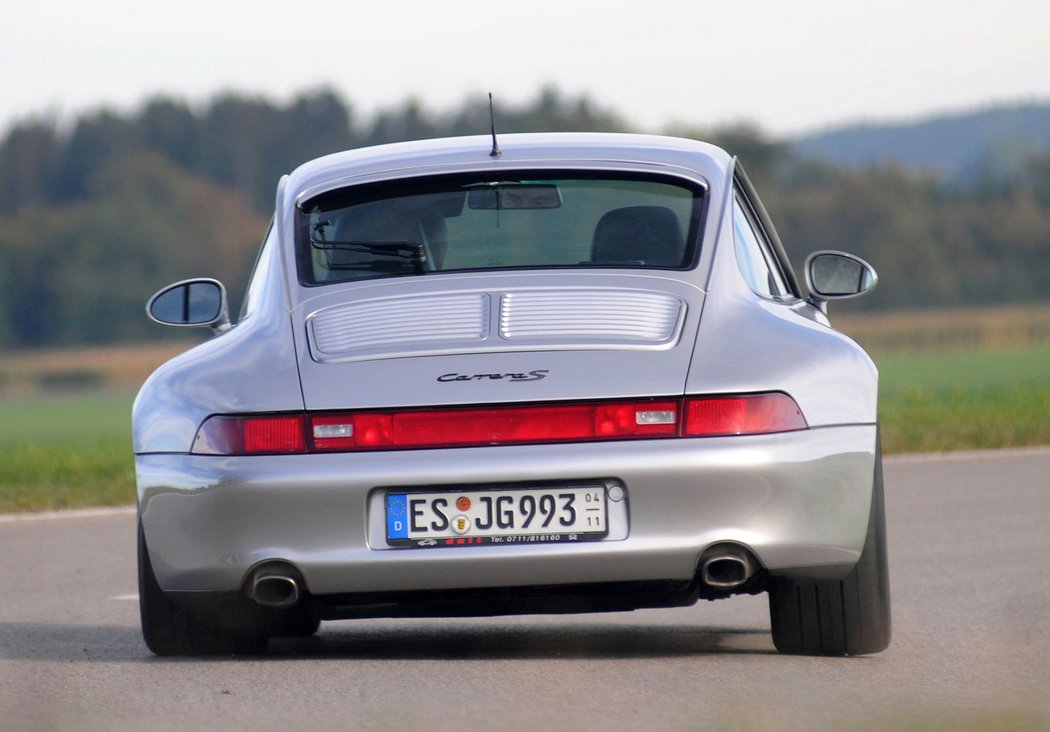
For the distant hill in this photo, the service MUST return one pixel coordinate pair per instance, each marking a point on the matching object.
(996, 140)
(97, 214)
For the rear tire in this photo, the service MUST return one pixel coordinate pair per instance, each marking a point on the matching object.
(172, 630)
(301, 622)
(849, 617)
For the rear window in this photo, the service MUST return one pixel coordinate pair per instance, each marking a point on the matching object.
(524, 220)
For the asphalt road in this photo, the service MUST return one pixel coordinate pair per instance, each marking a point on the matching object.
(970, 569)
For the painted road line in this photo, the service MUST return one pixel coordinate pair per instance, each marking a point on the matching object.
(75, 513)
(936, 457)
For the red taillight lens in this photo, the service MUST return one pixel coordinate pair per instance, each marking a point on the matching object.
(647, 419)
(273, 434)
(492, 426)
(496, 426)
(742, 415)
(509, 425)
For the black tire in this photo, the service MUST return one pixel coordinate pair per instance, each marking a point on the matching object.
(297, 623)
(849, 617)
(172, 630)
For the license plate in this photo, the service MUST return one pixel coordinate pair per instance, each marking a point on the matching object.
(460, 518)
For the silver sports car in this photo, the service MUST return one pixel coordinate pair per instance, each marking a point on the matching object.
(567, 373)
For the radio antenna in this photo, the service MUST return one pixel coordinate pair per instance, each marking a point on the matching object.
(496, 152)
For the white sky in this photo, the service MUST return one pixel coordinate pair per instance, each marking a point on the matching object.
(789, 66)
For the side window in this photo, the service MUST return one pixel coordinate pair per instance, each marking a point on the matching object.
(754, 255)
(257, 282)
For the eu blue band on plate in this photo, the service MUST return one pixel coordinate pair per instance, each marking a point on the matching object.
(397, 516)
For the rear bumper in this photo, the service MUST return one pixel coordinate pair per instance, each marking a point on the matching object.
(798, 500)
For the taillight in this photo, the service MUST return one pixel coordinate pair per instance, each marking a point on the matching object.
(751, 414)
(274, 434)
(264, 434)
(494, 426)
(504, 425)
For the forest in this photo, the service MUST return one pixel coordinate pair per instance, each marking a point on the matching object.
(99, 212)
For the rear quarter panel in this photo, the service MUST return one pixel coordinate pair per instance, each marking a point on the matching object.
(251, 367)
(748, 344)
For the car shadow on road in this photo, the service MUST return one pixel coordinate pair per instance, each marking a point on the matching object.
(439, 641)
(435, 640)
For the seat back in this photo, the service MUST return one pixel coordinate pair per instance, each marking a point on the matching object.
(643, 235)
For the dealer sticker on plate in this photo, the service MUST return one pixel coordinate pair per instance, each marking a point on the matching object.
(460, 518)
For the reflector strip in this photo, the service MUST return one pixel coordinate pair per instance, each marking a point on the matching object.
(504, 425)
(496, 426)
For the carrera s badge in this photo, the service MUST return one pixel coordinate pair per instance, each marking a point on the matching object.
(530, 376)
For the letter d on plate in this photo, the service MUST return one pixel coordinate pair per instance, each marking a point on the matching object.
(396, 516)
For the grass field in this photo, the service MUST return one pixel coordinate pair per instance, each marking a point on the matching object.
(978, 391)
(64, 451)
(965, 400)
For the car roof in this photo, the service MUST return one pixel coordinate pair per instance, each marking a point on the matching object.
(455, 154)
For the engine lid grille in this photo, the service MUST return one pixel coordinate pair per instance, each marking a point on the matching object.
(534, 319)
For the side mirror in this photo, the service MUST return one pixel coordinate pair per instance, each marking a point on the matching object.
(838, 276)
(197, 303)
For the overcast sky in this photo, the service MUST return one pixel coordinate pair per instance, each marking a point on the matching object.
(788, 66)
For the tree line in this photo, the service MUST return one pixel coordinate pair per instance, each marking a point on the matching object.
(96, 215)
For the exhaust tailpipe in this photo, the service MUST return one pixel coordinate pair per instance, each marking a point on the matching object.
(274, 587)
(727, 568)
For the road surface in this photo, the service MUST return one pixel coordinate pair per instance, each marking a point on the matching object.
(970, 572)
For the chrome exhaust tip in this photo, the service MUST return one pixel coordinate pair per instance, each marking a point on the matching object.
(274, 588)
(727, 569)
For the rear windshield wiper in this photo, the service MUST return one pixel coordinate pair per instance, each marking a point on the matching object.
(401, 248)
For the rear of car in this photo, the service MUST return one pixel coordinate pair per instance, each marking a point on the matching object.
(579, 376)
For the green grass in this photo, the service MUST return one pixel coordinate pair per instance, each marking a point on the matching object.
(65, 451)
(966, 400)
(75, 450)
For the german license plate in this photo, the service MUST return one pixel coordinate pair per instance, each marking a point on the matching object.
(460, 518)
